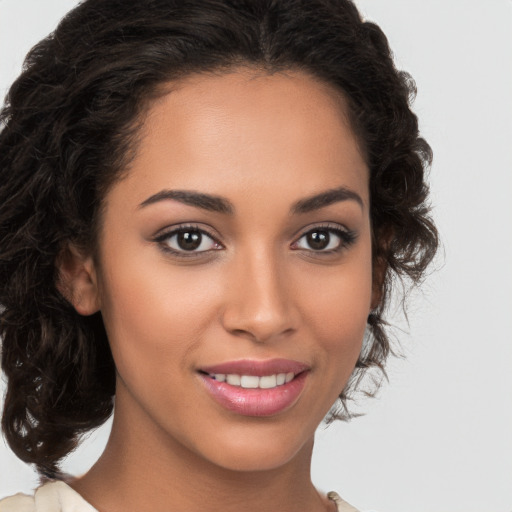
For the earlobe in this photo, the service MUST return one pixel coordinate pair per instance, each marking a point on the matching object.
(77, 280)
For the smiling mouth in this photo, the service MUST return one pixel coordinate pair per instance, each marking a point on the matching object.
(255, 388)
(253, 381)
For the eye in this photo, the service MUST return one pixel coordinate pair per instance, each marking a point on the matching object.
(189, 240)
(325, 239)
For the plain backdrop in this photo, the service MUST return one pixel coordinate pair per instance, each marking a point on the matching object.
(439, 435)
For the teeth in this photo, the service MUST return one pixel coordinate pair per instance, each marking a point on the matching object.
(233, 379)
(253, 382)
(268, 382)
(249, 381)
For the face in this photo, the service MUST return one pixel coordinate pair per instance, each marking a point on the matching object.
(234, 273)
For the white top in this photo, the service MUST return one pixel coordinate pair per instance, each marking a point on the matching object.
(60, 497)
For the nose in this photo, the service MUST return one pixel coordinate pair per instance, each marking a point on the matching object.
(259, 304)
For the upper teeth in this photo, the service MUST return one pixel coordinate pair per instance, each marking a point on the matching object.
(252, 381)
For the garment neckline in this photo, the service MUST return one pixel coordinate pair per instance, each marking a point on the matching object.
(64, 493)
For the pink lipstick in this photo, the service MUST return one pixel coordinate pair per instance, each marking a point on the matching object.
(255, 388)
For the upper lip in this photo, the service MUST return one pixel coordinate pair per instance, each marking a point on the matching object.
(256, 367)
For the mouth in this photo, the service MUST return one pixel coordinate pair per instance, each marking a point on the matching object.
(253, 381)
(255, 388)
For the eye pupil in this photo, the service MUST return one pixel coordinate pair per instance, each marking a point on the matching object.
(189, 240)
(318, 239)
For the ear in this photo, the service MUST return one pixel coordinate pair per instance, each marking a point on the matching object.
(77, 280)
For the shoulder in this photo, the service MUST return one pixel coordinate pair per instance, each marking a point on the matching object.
(17, 503)
(50, 497)
(341, 504)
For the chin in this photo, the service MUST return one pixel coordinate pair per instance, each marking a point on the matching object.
(252, 452)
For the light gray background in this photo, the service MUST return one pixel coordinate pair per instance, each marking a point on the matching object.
(439, 437)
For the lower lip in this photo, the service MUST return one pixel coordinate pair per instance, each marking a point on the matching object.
(255, 402)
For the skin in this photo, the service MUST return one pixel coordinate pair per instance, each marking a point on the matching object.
(259, 291)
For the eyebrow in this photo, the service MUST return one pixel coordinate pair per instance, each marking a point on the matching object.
(326, 198)
(219, 204)
(204, 201)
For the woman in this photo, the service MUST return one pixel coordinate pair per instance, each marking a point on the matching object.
(203, 207)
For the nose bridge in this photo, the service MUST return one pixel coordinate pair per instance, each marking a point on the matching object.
(259, 303)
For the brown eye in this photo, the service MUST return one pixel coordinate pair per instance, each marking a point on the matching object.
(187, 240)
(318, 240)
(325, 240)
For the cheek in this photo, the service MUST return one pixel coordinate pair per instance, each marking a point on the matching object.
(341, 309)
(337, 314)
(156, 313)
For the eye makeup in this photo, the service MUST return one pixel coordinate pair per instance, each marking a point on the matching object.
(325, 239)
(194, 241)
(187, 241)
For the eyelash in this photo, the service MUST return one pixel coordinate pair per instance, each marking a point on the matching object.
(346, 238)
(164, 238)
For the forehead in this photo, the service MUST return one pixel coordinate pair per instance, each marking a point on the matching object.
(247, 129)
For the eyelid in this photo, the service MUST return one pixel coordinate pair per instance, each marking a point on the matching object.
(180, 226)
(347, 236)
(169, 231)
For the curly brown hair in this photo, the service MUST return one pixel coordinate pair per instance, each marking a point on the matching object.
(70, 129)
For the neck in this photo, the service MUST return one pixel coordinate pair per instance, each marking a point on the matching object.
(142, 468)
